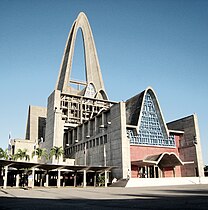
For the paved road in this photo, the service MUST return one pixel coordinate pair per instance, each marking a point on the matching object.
(161, 198)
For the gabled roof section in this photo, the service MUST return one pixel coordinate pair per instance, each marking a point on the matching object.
(157, 109)
(135, 106)
(169, 159)
(163, 160)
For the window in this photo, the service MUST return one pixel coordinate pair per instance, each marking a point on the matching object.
(105, 139)
(150, 130)
(92, 127)
(101, 140)
(90, 91)
(97, 141)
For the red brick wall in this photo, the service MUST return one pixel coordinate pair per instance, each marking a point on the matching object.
(168, 172)
(134, 171)
(178, 171)
(139, 152)
(188, 154)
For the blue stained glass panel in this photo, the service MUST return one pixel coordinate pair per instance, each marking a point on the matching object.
(150, 131)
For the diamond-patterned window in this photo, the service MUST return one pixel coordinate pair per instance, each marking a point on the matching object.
(150, 131)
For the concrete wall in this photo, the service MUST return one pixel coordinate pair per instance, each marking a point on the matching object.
(190, 145)
(35, 128)
(54, 122)
(93, 143)
(24, 144)
(108, 129)
(119, 143)
(126, 163)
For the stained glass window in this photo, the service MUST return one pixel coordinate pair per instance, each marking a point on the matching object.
(90, 91)
(150, 131)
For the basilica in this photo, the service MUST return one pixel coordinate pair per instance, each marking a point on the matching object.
(130, 138)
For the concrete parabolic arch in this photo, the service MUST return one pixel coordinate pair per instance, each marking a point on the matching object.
(92, 67)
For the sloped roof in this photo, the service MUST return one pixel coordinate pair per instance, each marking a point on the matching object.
(47, 166)
(165, 159)
(153, 157)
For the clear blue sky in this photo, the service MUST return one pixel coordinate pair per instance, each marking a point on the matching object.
(140, 43)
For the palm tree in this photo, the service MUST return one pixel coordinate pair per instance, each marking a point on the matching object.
(22, 154)
(4, 154)
(40, 152)
(12, 157)
(57, 152)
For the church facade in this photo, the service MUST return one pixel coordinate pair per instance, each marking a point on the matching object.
(132, 135)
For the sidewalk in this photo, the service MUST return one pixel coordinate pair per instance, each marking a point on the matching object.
(193, 197)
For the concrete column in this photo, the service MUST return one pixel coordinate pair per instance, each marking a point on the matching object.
(75, 179)
(85, 153)
(64, 181)
(106, 179)
(154, 173)
(41, 180)
(163, 172)
(146, 172)
(84, 178)
(96, 126)
(33, 177)
(95, 176)
(17, 180)
(5, 176)
(199, 159)
(104, 153)
(59, 178)
(173, 171)
(160, 172)
(47, 178)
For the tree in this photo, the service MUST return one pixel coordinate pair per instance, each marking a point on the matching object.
(12, 157)
(4, 154)
(101, 180)
(22, 154)
(40, 152)
(57, 152)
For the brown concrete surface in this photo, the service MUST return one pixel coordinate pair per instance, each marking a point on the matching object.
(168, 197)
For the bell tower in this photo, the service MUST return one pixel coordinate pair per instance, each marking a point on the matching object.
(67, 106)
(94, 82)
